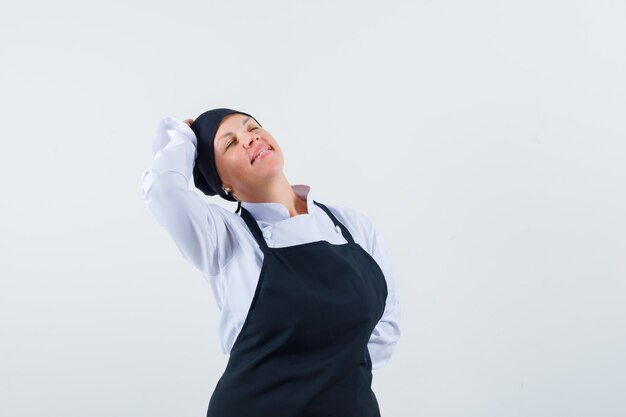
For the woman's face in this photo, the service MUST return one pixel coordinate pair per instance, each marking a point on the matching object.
(238, 142)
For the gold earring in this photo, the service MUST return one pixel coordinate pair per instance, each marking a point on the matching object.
(226, 190)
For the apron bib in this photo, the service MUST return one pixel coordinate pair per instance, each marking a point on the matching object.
(302, 350)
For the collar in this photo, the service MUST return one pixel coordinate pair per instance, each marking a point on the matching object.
(277, 211)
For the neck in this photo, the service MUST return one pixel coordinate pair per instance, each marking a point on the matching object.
(278, 191)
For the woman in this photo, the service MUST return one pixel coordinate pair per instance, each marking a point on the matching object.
(306, 293)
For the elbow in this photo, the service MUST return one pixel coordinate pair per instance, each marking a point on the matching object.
(385, 337)
(158, 186)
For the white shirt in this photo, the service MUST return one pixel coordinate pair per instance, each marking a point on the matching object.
(217, 242)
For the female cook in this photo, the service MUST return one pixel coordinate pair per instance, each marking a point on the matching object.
(305, 290)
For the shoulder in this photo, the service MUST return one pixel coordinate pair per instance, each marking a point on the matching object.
(227, 215)
(229, 229)
(357, 222)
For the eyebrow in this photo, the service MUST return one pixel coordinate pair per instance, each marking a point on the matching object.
(231, 133)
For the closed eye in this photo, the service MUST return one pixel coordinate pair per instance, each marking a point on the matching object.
(230, 143)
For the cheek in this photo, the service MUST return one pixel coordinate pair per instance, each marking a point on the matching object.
(222, 165)
(275, 145)
(279, 150)
(232, 167)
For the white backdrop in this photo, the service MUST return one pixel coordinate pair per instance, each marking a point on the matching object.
(485, 139)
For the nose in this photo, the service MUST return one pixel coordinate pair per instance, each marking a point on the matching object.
(251, 137)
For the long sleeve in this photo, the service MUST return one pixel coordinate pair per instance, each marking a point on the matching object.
(387, 332)
(194, 225)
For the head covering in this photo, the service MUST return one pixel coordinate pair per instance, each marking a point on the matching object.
(205, 176)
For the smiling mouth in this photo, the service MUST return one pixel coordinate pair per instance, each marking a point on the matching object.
(268, 149)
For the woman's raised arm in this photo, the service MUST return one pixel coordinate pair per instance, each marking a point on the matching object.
(193, 224)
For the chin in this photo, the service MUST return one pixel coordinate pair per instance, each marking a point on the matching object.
(273, 171)
(271, 166)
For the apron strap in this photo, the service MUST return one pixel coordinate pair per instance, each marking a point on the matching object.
(254, 228)
(344, 230)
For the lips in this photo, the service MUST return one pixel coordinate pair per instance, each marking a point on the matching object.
(258, 151)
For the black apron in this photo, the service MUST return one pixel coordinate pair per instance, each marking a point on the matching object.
(302, 350)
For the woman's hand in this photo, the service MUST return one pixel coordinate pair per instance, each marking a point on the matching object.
(169, 126)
